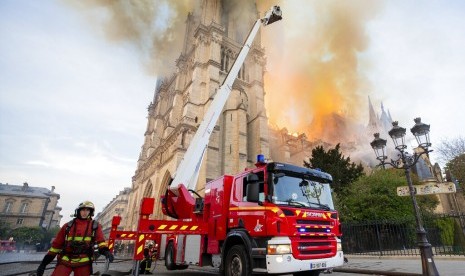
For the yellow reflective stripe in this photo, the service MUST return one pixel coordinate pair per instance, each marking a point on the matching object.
(54, 250)
(75, 260)
(103, 244)
(139, 249)
(249, 208)
(79, 238)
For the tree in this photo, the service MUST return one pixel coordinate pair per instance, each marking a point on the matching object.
(455, 170)
(47, 238)
(449, 149)
(452, 152)
(333, 162)
(28, 235)
(5, 229)
(374, 197)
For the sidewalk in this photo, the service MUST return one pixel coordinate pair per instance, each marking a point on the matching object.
(401, 265)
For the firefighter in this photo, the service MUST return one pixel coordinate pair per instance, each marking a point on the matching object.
(74, 244)
(146, 263)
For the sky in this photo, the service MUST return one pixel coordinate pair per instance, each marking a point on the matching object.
(73, 104)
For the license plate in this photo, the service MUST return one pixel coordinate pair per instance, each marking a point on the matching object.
(318, 265)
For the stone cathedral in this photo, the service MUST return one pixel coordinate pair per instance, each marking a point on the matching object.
(212, 40)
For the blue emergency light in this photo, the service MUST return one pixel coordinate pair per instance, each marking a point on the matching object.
(260, 158)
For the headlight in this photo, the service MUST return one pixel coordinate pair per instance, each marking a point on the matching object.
(339, 246)
(275, 249)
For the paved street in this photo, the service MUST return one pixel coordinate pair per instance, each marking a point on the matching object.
(357, 265)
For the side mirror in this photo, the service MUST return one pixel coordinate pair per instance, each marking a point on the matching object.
(253, 192)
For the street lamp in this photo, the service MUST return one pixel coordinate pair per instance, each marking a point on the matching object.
(406, 161)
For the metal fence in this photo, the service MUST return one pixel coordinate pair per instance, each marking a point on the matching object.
(446, 234)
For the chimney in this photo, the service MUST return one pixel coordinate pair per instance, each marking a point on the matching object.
(53, 188)
(25, 186)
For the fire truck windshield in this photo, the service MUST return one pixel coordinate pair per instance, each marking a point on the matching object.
(296, 191)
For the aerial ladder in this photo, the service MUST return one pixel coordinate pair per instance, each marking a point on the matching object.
(178, 202)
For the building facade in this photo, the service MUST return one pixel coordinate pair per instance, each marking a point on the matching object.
(117, 207)
(26, 206)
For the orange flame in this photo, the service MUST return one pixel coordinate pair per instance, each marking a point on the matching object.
(314, 69)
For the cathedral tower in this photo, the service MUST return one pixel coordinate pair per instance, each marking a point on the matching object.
(215, 32)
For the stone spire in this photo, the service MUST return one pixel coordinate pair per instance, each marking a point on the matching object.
(372, 117)
(385, 119)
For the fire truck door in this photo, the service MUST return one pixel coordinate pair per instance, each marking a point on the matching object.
(251, 215)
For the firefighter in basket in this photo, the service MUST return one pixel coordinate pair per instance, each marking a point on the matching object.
(74, 244)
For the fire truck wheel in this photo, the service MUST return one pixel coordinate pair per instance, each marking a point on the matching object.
(169, 257)
(307, 273)
(237, 263)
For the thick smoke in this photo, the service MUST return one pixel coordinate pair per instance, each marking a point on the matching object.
(315, 81)
(154, 28)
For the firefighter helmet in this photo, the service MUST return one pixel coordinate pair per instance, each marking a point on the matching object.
(85, 204)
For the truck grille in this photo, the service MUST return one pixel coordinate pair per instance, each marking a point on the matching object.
(314, 247)
(314, 239)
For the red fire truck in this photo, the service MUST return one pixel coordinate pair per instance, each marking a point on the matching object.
(275, 218)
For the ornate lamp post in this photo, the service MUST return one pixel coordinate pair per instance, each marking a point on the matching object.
(407, 161)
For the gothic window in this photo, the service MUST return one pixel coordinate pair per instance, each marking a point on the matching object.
(227, 59)
(223, 59)
(241, 74)
(148, 189)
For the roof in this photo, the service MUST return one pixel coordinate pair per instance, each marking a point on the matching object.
(25, 190)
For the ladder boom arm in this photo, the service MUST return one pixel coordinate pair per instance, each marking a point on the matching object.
(188, 169)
